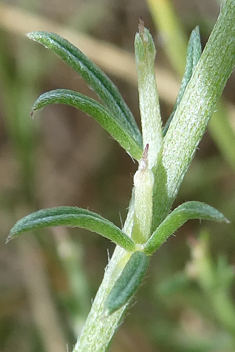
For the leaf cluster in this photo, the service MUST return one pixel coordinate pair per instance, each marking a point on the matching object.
(116, 118)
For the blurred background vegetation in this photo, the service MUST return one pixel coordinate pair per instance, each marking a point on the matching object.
(62, 157)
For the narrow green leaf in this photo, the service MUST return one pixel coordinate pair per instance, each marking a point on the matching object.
(151, 122)
(118, 130)
(194, 112)
(183, 213)
(194, 51)
(127, 283)
(73, 217)
(94, 77)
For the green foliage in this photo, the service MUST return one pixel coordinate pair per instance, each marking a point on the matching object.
(181, 214)
(127, 283)
(162, 164)
(151, 122)
(73, 217)
(98, 81)
(116, 127)
(194, 51)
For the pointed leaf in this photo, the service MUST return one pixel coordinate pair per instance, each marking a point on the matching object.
(94, 77)
(114, 126)
(194, 51)
(73, 217)
(183, 213)
(127, 283)
(151, 122)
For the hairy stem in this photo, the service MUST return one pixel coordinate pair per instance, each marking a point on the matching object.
(180, 144)
(193, 113)
(99, 329)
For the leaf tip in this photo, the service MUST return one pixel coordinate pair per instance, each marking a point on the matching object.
(32, 35)
(9, 238)
(141, 26)
(29, 35)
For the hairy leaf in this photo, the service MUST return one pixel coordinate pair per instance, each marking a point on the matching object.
(194, 51)
(94, 77)
(73, 217)
(127, 283)
(99, 112)
(183, 213)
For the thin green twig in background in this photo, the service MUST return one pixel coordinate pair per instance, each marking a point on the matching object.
(171, 32)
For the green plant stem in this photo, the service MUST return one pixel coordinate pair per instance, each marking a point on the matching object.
(171, 31)
(180, 144)
(168, 24)
(194, 111)
(99, 329)
(145, 53)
